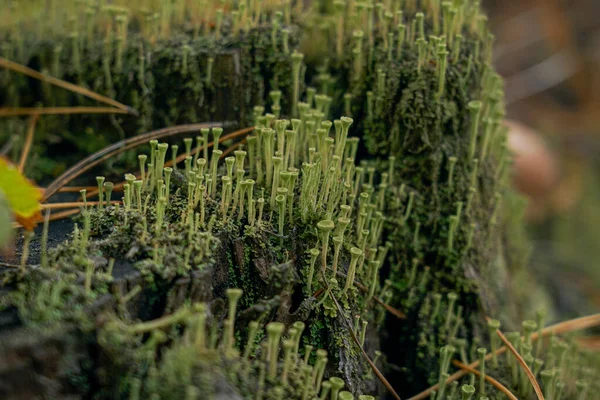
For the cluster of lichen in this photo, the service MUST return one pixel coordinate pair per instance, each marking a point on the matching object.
(309, 223)
(202, 364)
(171, 220)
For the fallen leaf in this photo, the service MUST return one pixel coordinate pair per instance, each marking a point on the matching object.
(22, 196)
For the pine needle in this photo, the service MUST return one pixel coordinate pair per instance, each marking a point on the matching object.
(54, 217)
(530, 376)
(397, 313)
(64, 214)
(488, 378)
(115, 149)
(232, 135)
(16, 67)
(589, 342)
(71, 204)
(232, 148)
(380, 376)
(28, 141)
(571, 325)
(76, 189)
(21, 111)
(180, 158)
(562, 327)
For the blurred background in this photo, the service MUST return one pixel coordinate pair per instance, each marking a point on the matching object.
(548, 51)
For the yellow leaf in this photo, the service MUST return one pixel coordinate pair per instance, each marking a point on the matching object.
(22, 196)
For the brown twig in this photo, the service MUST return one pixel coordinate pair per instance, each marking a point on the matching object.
(28, 141)
(13, 66)
(562, 327)
(488, 378)
(18, 112)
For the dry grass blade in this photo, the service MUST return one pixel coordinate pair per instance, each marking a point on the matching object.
(16, 67)
(18, 112)
(530, 376)
(380, 376)
(488, 378)
(117, 148)
(572, 325)
(28, 141)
